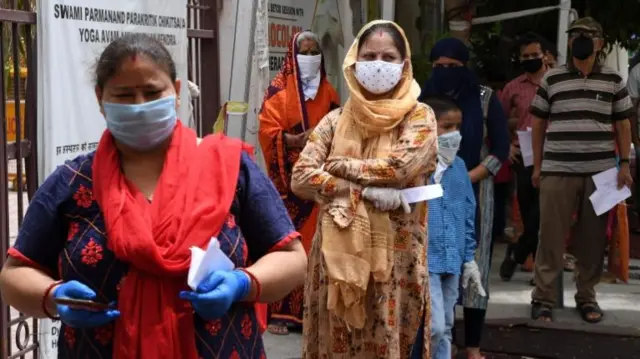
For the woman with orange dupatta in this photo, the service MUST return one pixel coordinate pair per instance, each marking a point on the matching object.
(366, 289)
(298, 97)
(105, 244)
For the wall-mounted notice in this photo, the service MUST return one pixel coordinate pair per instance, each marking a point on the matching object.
(286, 18)
(71, 36)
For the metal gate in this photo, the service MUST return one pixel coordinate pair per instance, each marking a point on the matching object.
(18, 80)
(18, 130)
(204, 68)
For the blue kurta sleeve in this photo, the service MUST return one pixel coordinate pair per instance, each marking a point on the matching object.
(43, 232)
(264, 220)
(498, 133)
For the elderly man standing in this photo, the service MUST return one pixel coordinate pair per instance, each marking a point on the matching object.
(586, 109)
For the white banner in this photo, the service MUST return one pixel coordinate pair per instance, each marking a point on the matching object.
(287, 17)
(71, 36)
(48, 339)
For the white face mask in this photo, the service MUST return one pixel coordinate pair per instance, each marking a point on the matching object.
(309, 66)
(378, 77)
(448, 146)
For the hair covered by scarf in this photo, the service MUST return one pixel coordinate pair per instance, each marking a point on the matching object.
(452, 48)
(357, 239)
(437, 84)
(463, 86)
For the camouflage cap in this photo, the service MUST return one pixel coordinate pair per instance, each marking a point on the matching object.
(586, 24)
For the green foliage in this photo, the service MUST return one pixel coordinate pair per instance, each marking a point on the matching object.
(619, 18)
(7, 43)
(491, 54)
(420, 62)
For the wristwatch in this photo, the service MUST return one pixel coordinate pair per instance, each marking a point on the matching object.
(624, 160)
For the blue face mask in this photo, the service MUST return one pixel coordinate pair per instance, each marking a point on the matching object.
(144, 126)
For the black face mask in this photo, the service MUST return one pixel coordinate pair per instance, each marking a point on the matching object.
(582, 47)
(532, 65)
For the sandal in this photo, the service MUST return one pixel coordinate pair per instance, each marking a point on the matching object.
(278, 329)
(541, 312)
(590, 312)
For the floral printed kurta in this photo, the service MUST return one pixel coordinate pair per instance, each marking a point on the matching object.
(394, 308)
(64, 235)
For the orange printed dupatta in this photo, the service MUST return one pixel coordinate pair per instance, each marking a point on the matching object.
(285, 111)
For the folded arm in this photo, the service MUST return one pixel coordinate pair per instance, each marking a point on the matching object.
(413, 154)
(309, 179)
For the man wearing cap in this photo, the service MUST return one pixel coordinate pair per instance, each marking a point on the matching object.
(585, 109)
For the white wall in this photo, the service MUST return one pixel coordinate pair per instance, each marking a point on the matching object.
(236, 54)
(618, 59)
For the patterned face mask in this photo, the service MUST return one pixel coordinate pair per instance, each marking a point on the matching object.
(378, 77)
(448, 146)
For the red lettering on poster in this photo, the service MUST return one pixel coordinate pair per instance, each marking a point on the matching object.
(280, 34)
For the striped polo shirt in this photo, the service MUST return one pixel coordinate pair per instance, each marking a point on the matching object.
(581, 112)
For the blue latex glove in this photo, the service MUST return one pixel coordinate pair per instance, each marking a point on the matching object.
(81, 318)
(218, 292)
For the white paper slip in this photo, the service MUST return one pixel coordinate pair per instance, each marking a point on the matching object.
(604, 200)
(204, 263)
(607, 179)
(526, 147)
(423, 193)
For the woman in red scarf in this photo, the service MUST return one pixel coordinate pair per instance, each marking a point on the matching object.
(114, 228)
(296, 100)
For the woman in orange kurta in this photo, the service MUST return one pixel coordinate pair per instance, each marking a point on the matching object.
(296, 100)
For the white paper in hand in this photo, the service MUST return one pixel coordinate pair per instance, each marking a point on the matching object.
(607, 194)
(423, 193)
(526, 147)
(204, 263)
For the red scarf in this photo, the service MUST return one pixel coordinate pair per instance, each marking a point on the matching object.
(190, 204)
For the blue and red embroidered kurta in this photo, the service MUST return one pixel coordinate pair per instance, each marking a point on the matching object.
(64, 234)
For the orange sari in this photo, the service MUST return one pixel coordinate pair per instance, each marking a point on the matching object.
(285, 111)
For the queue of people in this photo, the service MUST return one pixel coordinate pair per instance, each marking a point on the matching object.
(326, 235)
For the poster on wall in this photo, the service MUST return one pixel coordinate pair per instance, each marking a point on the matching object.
(287, 17)
(71, 36)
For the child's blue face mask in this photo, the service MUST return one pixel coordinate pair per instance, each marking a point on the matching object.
(142, 126)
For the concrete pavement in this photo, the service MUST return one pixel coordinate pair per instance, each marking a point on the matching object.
(508, 300)
(283, 347)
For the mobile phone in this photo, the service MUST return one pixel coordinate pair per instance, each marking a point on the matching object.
(82, 304)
